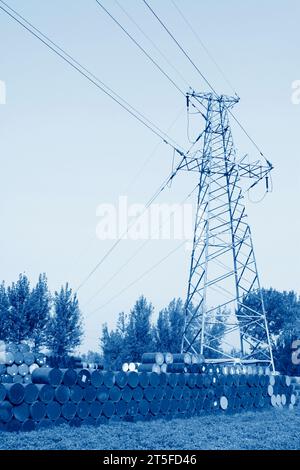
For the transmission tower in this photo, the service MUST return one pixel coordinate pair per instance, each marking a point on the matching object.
(220, 322)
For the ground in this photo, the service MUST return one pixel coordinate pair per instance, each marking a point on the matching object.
(270, 429)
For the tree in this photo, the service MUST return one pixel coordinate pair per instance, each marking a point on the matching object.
(283, 317)
(64, 331)
(40, 304)
(4, 309)
(169, 327)
(138, 338)
(19, 313)
(216, 335)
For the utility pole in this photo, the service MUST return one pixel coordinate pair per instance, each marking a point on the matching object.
(219, 323)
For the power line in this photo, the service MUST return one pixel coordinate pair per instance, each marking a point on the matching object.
(204, 78)
(89, 76)
(180, 47)
(116, 243)
(196, 34)
(140, 248)
(140, 47)
(138, 279)
(153, 43)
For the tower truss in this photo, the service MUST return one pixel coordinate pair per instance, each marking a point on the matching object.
(220, 322)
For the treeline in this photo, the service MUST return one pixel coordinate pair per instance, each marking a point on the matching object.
(135, 333)
(42, 319)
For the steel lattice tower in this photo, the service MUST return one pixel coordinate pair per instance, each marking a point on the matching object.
(223, 270)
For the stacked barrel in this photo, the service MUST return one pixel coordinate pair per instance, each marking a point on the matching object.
(17, 363)
(94, 397)
(167, 362)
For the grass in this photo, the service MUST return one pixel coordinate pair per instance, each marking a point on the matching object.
(270, 429)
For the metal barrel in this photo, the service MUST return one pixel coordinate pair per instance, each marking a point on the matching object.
(127, 394)
(132, 367)
(53, 410)
(27, 379)
(90, 393)
(76, 393)
(75, 422)
(19, 358)
(23, 348)
(164, 368)
(9, 358)
(149, 393)
(45, 423)
(68, 410)
(121, 379)
(15, 393)
(102, 394)
(95, 409)
(133, 379)
(28, 425)
(108, 409)
(32, 367)
(143, 407)
(177, 367)
(159, 393)
(109, 379)
(89, 421)
(168, 358)
(14, 425)
(172, 380)
(163, 379)
(143, 379)
(62, 394)
(2, 392)
(60, 421)
(69, 377)
(17, 379)
(149, 368)
(12, 370)
(132, 408)
(154, 379)
(23, 370)
(155, 407)
(41, 359)
(185, 358)
(125, 367)
(96, 378)
(21, 412)
(31, 392)
(115, 394)
(121, 408)
(47, 375)
(153, 358)
(83, 378)
(37, 410)
(29, 358)
(137, 393)
(6, 411)
(82, 410)
(46, 392)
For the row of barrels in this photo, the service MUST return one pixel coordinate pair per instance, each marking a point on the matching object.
(17, 363)
(83, 397)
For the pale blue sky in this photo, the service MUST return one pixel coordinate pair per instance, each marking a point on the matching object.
(65, 147)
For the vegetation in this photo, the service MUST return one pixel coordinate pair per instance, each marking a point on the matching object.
(41, 319)
(269, 429)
